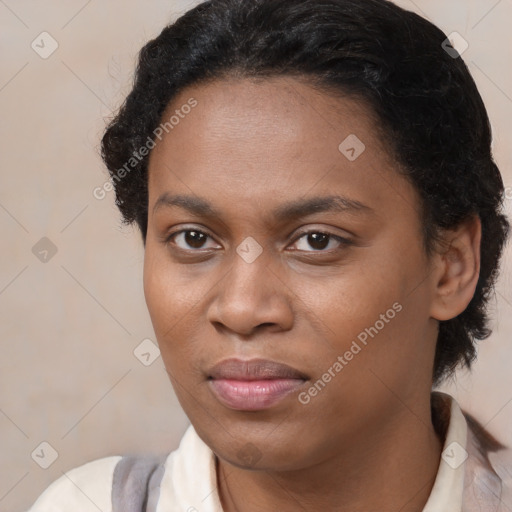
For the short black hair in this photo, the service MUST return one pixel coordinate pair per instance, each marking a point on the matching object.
(429, 110)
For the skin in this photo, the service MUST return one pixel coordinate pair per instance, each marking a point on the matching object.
(366, 441)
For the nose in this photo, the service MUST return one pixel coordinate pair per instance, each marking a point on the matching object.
(250, 297)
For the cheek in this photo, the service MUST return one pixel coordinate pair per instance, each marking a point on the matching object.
(168, 293)
(165, 300)
(374, 312)
(156, 290)
(174, 306)
(353, 300)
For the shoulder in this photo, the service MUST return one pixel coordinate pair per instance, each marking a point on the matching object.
(489, 474)
(81, 489)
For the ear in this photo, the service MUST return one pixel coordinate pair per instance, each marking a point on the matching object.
(457, 267)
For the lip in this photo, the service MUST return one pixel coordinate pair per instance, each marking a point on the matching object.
(253, 384)
(253, 369)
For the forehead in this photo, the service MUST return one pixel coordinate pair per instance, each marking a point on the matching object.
(247, 137)
(254, 110)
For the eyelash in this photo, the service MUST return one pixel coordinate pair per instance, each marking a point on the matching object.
(343, 242)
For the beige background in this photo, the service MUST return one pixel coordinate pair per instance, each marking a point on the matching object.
(69, 326)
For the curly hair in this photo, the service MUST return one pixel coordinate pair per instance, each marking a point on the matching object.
(428, 108)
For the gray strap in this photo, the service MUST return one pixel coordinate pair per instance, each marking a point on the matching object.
(136, 483)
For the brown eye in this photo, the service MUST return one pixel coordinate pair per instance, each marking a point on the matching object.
(318, 240)
(312, 241)
(195, 239)
(189, 239)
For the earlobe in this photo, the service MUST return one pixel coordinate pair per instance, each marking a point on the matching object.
(458, 264)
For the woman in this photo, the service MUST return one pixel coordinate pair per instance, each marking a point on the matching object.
(321, 216)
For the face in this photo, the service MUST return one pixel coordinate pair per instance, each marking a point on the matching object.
(282, 236)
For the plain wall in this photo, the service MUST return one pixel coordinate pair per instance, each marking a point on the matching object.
(69, 325)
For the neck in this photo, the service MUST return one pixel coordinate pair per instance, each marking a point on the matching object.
(394, 468)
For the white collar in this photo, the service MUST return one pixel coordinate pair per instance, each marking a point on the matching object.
(189, 483)
(446, 494)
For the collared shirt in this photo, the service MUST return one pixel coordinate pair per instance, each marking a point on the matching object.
(468, 480)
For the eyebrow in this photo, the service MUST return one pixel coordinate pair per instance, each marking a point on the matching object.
(293, 209)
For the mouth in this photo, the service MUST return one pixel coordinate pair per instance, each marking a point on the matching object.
(253, 384)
